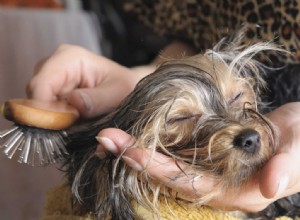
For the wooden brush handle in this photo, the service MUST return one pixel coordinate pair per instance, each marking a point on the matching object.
(56, 115)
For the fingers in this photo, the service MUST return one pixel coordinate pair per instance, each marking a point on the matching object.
(275, 177)
(57, 75)
(39, 65)
(281, 175)
(114, 140)
(93, 84)
(160, 168)
(101, 99)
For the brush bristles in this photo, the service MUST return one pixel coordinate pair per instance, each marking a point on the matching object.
(34, 146)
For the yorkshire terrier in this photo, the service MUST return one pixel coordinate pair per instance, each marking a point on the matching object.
(203, 111)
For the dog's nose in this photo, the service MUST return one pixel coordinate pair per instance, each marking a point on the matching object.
(247, 140)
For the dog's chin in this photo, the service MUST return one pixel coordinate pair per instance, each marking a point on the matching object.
(247, 168)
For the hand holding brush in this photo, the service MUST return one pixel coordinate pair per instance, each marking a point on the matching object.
(89, 85)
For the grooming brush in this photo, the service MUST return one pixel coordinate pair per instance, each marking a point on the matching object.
(38, 135)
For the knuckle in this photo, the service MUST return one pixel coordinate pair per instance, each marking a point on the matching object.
(30, 85)
(31, 88)
(63, 47)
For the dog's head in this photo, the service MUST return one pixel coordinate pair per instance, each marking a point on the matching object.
(203, 111)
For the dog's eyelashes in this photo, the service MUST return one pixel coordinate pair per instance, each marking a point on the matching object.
(235, 98)
(182, 118)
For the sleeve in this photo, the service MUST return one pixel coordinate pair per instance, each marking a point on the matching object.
(165, 17)
(192, 21)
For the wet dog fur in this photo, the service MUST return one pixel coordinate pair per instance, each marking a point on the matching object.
(203, 111)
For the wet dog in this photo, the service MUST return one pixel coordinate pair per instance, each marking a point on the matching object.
(203, 111)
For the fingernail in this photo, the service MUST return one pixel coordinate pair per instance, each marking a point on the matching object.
(86, 100)
(197, 178)
(282, 186)
(132, 163)
(108, 144)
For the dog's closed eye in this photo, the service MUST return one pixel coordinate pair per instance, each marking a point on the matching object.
(236, 97)
(182, 118)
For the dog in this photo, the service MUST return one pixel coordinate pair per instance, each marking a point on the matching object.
(204, 111)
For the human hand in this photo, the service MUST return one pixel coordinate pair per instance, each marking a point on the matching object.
(279, 178)
(92, 84)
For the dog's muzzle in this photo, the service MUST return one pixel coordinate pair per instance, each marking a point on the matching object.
(247, 140)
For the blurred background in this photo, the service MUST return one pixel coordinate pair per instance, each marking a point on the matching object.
(30, 30)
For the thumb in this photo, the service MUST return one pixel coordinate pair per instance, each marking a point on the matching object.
(92, 102)
(278, 177)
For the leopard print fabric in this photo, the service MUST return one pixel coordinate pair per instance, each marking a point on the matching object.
(204, 22)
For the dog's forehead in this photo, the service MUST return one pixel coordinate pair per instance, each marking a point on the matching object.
(207, 82)
(228, 82)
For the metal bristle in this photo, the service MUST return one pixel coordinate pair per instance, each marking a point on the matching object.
(33, 145)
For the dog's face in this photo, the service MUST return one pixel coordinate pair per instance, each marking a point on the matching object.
(205, 114)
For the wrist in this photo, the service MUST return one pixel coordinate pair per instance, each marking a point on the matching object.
(139, 72)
